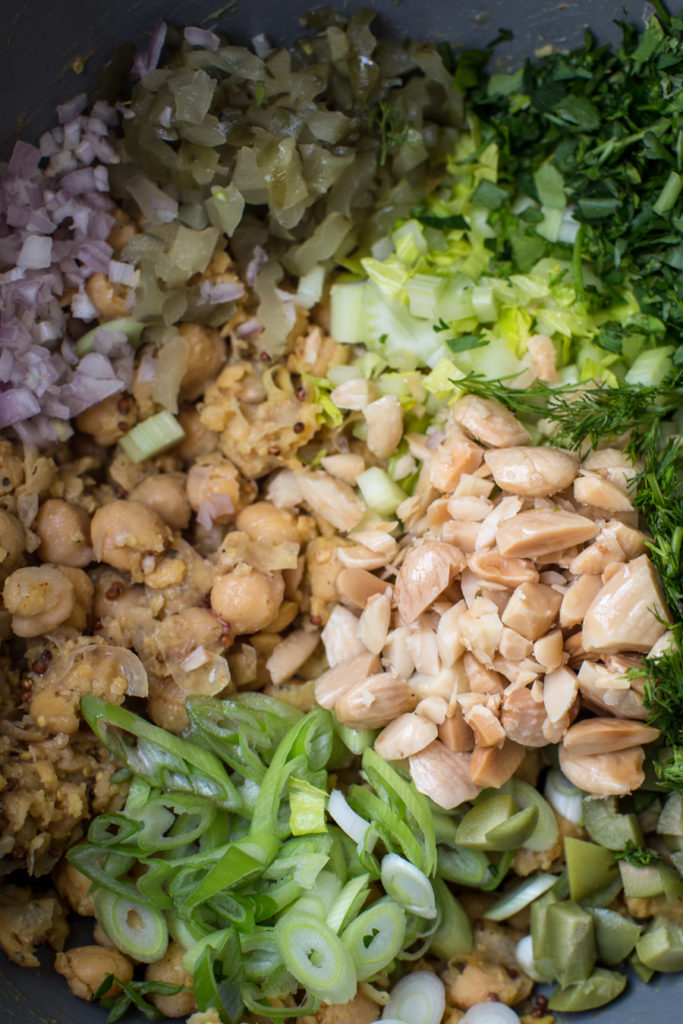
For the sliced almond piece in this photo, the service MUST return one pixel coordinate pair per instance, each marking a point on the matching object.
(559, 692)
(333, 684)
(532, 609)
(434, 709)
(522, 718)
(448, 636)
(461, 533)
(495, 568)
(629, 612)
(427, 570)
(481, 629)
(291, 653)
(489, 421)
(331, 499)
(406, 735)
(356, 585)
(513, 646)
(373, 625)
(384, 418)
(375, 701)
(486, 728)
(454, 456)
(493, 766)
(340, 636)
(443, 775)
(577, 599)
(456, 733)
(347, 466)
(604, 735)
(542, 531)
(549, 650)
(600, 493)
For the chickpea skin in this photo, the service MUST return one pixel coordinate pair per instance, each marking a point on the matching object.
(86, 967)
(108, 420)
(247, 599)
(64, 531)
(170, 969)
(110, 300)
(207, 352)
(11, 542)
(125, 532)
(38, 598)
(262, 521)
(216, 482)
(198, 440)
(165, 494)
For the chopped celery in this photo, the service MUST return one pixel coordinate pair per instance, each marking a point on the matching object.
(152, 437)
(379, 491)
(650, 367)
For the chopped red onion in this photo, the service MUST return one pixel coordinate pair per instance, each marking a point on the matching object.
(212, 293)
(147, 60)
(35, 253)
(202, 37)
(261, 45)
(259, 257)
(249, 328)
(68, 111)
(17, 404)
(122, 273)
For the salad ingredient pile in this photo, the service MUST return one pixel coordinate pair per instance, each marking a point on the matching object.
(341, 536)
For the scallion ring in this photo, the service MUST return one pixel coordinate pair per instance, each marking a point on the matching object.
(316, 957)
(408, 886)
(139, 931)
(375, 937)
(419, 997)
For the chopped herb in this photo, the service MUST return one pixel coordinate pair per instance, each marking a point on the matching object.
(133, 995)
(637, 855)
(394, 129)
(466, 342)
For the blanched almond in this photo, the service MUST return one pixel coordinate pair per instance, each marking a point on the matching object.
(375, 701)
(470, 486)
(629, 612)
(603, 690)
(406, 735)
(577, 600)
(426, 571)
(434, 709)
(593, 490)
(480, 678)
(396, 655)
(424, 650)
(357, 585)
(543, 531)
(448, 637)
(472, 509)
(548, 650)
(291, 653)
(614, 774)
(357, 556)
(542, 351)
(493, 766)
(513, 646)
(480, 630)
(559, 692)
(485, 725)
(532, 609)
(334, 683)
(456, 733)
(495, 568)
(522, 718)
(331, 499)
(443, 775)
(462, 533)
(384, 418)
(611, 464)
(346, 466)
(603, 735)
(532, 472)
(373, 625)
(340, 636)
(355, 394)
(454, 456)
(489, 422)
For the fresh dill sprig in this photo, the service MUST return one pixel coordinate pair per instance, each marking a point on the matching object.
(637, 855)
(393, 127)
(585, 412)
(663, 689)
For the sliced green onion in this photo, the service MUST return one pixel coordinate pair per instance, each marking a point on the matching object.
(409, 886)
(214, 939)
(411, 805)
(245, 859)
(184, 931)
(153, 436)
(379, 491)
(420, 998)
(519, 897)
(490, 1013)
(316, 957)
(131, 327)
(375, 938)
(352, 824)
(172, 820)
(565, 797)
(139, 931)
(348, 902)
(453, 935)
(306, 808)
(355, 740)
(218, 976)
(524, 955)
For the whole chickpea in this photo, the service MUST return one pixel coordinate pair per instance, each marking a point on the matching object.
(38, 598)
(177, 635)
(11, 542)
(83, 593)
(198, 440)
(110, 300)
(115, 597)
(109, 420)
(166, 704)
(125, 532)
(74, 887)
(262, 521)
(170, 969)
(86, 967)
(218, 480)
(207, 354)
(247, 599)
(64, 531)
(165, 494)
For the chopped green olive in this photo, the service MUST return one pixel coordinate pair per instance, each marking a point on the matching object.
(615, 935)
(601, 987)
(661, 947)
(570, 942)
(589, 867)
(606, 826)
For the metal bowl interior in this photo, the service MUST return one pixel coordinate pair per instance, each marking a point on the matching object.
(43, 39)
